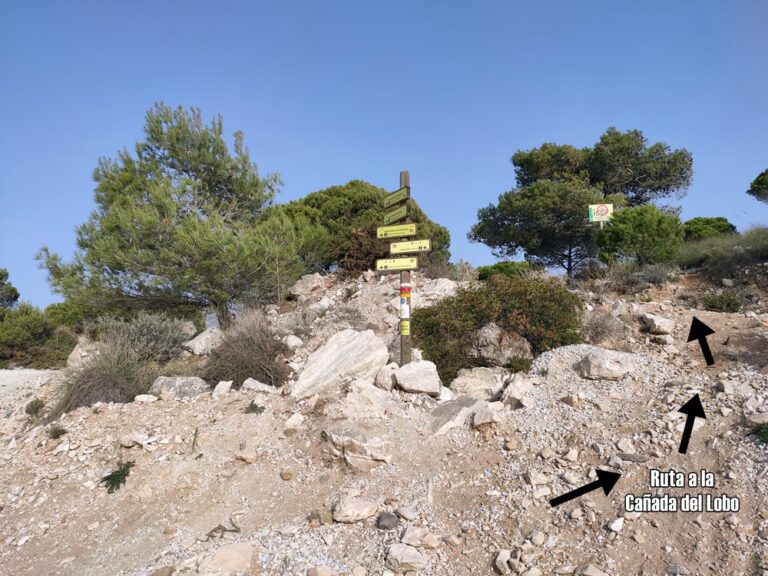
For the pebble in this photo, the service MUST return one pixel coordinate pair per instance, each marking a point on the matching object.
(387, 521)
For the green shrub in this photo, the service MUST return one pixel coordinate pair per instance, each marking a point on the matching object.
(702, 227)
(118, 373)
(152, 336)
(253, 408)
(69, 314)
(541, 310)
(645, 233)
(725, 301)
(508, 268)
(56, 431)
(249, 350)
(761, 431)
(23, 327)
(115, 479)
(721, 256)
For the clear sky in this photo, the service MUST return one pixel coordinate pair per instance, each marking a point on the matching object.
(327, 92)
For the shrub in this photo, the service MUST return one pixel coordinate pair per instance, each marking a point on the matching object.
(702, 227)
(152, 336)
(721, 256)
(70, 314)
(115, 479)
(602, 326)
(761, 431)
(23, 327)
(465, 272)
(645, 233)
(253, 408)
(657, 273)
(541, 310)
(725, 301)
(34, 408)
(56, 431)
(508, 268)
(435, 270)
(118, 373)
(249, 350)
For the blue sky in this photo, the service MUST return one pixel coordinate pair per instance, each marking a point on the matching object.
(326, 92)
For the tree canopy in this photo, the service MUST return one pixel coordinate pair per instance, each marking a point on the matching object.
(350, 214)
(705, 227)
(759, 187)
(620, 162)
(546, 219)
(8, 293)
(174, 225)
(645, 233)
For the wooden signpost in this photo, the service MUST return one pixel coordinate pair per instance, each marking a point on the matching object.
(397, 226)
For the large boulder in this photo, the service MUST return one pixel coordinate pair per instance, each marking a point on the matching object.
(419, 377)
(497, 347)
(359, 451)
(347, 355)
(658, 324)
(602, 364)
(351, 509)
(82, 352)
(205, 342)
(480, 383)
(178, 387)
(454, 413)
(515, 394)
(305, 285)
(363, 401)
(404, 558)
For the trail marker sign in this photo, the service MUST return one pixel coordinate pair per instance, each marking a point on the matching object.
(399, 213)
(397, 196)
(600, 212)
(399, 231)
(387, 264)
(410, 247)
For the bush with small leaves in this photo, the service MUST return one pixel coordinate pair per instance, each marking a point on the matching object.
(725, 301)
(508, 268)
(115, 479)
(541, 310)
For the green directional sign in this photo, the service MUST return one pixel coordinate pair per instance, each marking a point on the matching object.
(410, 247)
(397, 214)
(398, 231)
(397, 196)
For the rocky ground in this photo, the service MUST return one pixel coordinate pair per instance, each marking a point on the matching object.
(361, 467)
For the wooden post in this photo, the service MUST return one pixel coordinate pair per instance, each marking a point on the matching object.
(405, 297)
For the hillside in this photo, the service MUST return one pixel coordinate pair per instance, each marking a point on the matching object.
(366, 478)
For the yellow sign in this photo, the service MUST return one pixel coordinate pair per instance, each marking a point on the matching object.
(399, 231)
(410, 247)
(397, 264)
(405, 327)
(396, 214)
(600, 212)
(397, 196)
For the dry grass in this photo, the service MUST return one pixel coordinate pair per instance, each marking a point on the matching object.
(249, 350)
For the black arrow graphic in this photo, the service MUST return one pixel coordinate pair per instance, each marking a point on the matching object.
(605, 480)
(700, 331)
(694, 409)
